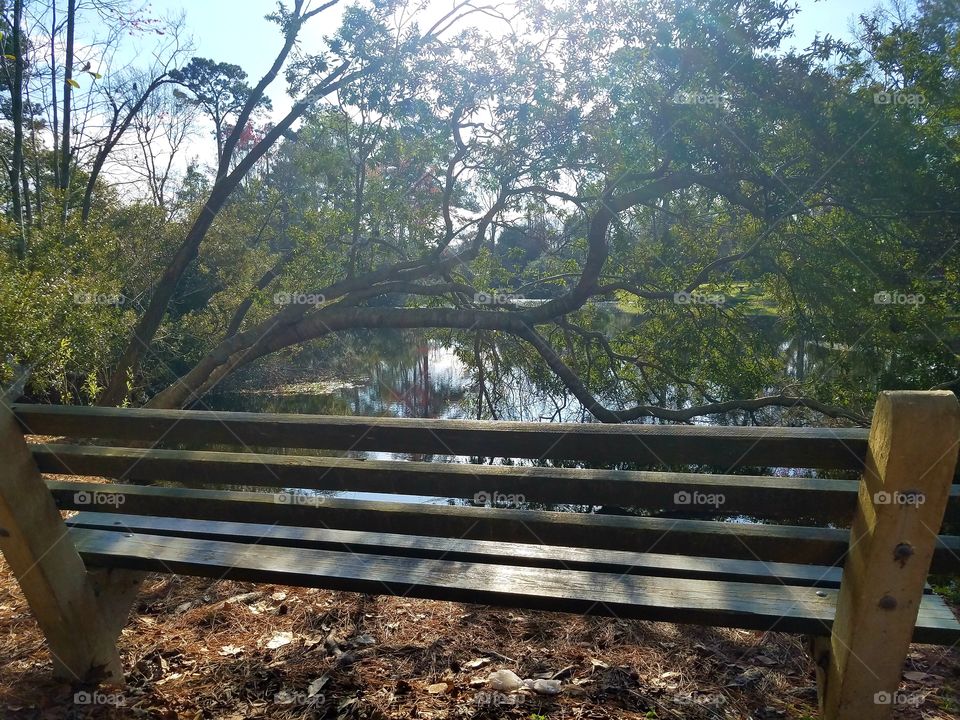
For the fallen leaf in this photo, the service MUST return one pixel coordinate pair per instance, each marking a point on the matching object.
(476, 663)
(311, 641)
(230, 651)
(438, 688)
(748, 678)
(317, 685)
(279, 640)
(916, 676)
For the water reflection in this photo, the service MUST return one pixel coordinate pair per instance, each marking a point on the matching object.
(421, 379)
(407, 375)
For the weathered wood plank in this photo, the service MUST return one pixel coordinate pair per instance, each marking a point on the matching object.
(768, 543)
(746, 605)
(473, 551)
(778, 543)
(903, 493)
(725, 447)
(52, 575)
(759, 496)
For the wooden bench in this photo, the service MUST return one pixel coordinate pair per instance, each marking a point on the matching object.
(852, 576)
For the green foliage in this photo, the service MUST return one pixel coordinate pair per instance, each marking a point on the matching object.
(219, 88)
(811, 200)
(63, 312)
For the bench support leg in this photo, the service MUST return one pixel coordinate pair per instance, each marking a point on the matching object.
(903, 494)
(52, 575)
(116, 592)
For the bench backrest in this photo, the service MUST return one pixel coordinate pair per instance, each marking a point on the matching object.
(813, 512)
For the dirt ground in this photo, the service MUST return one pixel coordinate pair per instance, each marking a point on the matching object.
(229, 651)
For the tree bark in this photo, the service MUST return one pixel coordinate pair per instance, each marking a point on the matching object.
(16, 108)
(54, 104)
(65, 152)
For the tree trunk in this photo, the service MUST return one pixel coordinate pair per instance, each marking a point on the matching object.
(16, 108)
(111, 142)
(25, 187)
(65, 152)
(54, 104)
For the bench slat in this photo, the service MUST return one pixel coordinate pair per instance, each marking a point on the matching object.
(776, 543)
(779, 543)
(501, 553)
(759, 496)
(723, 446)
(745, 605)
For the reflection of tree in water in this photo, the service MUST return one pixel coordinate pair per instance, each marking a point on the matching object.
(392, 373)
(491, 376)
(421, 379)
(412, 394)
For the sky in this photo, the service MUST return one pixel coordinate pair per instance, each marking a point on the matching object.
(235, 30)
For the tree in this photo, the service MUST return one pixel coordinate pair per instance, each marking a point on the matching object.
(69, 83)
(672, 188)
(219, 89)
(359, 55)
(497, 192)
(14, 85)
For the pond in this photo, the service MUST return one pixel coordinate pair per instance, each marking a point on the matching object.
(419, 379)
(402, 374)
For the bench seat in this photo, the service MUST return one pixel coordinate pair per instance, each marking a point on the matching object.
(753, 595)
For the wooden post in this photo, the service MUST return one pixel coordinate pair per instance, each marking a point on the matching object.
(910, 464)
(33, 538)
(116, 590)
